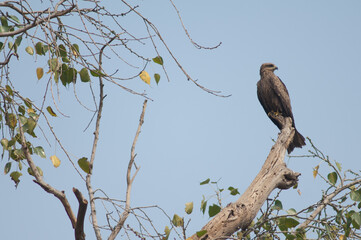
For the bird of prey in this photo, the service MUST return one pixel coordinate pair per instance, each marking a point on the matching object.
(273, 96)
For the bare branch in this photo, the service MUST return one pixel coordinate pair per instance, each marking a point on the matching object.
(8, 59)
(325, 201)
(37, 21)
(130, 178)
(189, 37)
(83, 203)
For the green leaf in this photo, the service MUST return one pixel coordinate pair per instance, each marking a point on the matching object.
(189, 207)
(213, 210)
(53, 64)
(1, 44)
(338, 165)
(278, 205)
(9, 90)
(84, 164)
(203, 205)
(20, 166)
(27, 102)
(356, 195)
(72, 74)
(4, 29)
(356, 220)
(177, 220)
(10, 120)
(45, 48)
(29, 126)
(332, 177)
(15, 177)
(75, 50)
(205, 181)
(18, 41)
(285, 223)
(21, 109)
(291, 223)
(201, 233)
(10, 45)
(4, 21)
(233, 191)
(11, 142)
(18, 154)
(7, 167)
(15, 18)
(40, 151)
(65, 59)
(30, 172)
(50, 111)
(156, 78)
(96, 73)
(64, 76)
(62, 51)
(68, 75)
(291, 211)
(39, 171)
(84, 75)
(39, 48)
(158, 60)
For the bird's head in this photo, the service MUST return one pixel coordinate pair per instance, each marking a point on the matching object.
(267, 67)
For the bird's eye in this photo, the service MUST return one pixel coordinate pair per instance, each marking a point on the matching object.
(270, 66)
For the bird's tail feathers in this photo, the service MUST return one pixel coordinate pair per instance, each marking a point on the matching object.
(298, 141)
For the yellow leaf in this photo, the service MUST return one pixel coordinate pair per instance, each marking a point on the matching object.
(145, 77)
(315, 171)
(55, 160)
(39, 73)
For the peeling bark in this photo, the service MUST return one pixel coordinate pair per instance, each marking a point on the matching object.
(273, 174)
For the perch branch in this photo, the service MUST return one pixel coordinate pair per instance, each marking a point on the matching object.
(273, 174)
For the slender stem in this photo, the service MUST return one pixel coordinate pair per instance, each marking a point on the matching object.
(95, 144)
(130, 178)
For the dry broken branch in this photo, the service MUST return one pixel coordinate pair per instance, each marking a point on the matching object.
(273, 174)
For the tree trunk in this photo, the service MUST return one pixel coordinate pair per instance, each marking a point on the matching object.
(274, 174)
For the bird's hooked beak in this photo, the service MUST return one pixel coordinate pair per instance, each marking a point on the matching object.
(275, 68)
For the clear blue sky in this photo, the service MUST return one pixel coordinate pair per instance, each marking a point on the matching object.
(190, 135)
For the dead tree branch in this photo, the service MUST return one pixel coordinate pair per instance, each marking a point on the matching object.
(273, 174)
